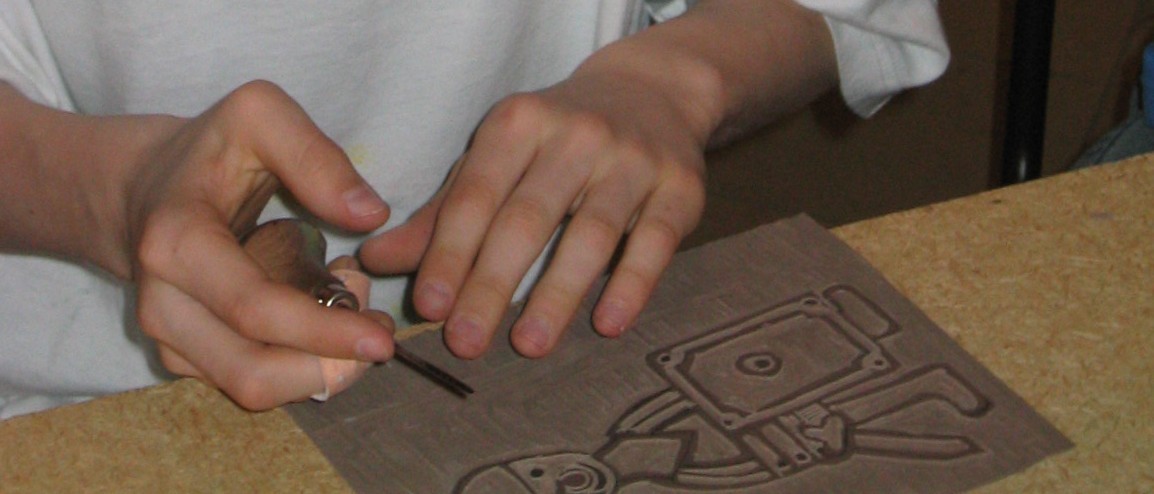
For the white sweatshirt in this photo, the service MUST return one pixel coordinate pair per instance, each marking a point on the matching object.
(399, 85)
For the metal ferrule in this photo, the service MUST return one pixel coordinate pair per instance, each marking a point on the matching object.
(336, 295)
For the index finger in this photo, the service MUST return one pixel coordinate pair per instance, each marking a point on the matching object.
(189, 249)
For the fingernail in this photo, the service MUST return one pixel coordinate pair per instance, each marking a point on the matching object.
(611, 319)
(434, 298)
(465, 336)
(322, 395)
(371, 350)
(363, 201)
(536, 334)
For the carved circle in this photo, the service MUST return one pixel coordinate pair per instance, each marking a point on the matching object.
(763, 364)
(581, 479)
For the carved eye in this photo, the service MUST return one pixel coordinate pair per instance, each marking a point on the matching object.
(581, 479)
(759, 364)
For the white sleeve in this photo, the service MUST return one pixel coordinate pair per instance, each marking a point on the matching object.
(883, 47)
(26, 61)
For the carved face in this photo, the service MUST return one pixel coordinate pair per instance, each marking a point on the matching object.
(565, 473)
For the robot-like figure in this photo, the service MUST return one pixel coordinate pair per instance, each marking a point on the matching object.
(798, 386)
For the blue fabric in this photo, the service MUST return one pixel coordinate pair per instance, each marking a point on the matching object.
(1131, 138)
(1134, 136)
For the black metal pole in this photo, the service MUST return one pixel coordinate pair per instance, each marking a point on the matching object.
(1029, 83)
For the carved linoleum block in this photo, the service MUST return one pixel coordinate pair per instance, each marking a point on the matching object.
(773, 361)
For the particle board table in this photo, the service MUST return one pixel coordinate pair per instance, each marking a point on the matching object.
(1049, 284)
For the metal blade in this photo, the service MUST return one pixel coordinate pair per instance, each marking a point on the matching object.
(431, 371)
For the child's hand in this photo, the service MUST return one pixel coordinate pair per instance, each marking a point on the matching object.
(618, 150)
(605, 150)
(208, 304)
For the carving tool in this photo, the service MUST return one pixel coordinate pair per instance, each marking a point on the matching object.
(293, 252)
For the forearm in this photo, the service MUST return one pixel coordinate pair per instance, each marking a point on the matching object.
(733, 65)
(61, 181)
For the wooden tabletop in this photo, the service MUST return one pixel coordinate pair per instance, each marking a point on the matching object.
(1049, 284)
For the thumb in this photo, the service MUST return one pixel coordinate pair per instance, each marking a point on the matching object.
(311, 165)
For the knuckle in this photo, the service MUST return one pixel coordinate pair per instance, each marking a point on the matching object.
(589, 131)
(443, 262)
(251, 389)
(316, 170)
(527, 214)
(254, 97)
(661, 234)
(685, 196)
(470, 197)
(598, 229)
(155, 248)
(492, 287)
(639, 160)
(637, 278)
(690, 179)
(159, 244)
(259, 86)
(252, 104)
(320, 158)
(634, 150)
(173, 363)
(517, 116)
(245, 315)
(150, 320)
(562, 297)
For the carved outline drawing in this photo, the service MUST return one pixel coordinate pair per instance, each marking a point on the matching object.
(802, 385)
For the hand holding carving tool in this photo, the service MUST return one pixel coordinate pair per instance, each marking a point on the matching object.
(293, 252)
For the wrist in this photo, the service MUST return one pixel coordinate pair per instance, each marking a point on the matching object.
(688, 84)
(116, 163)
(65, 180)
(731, 66)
